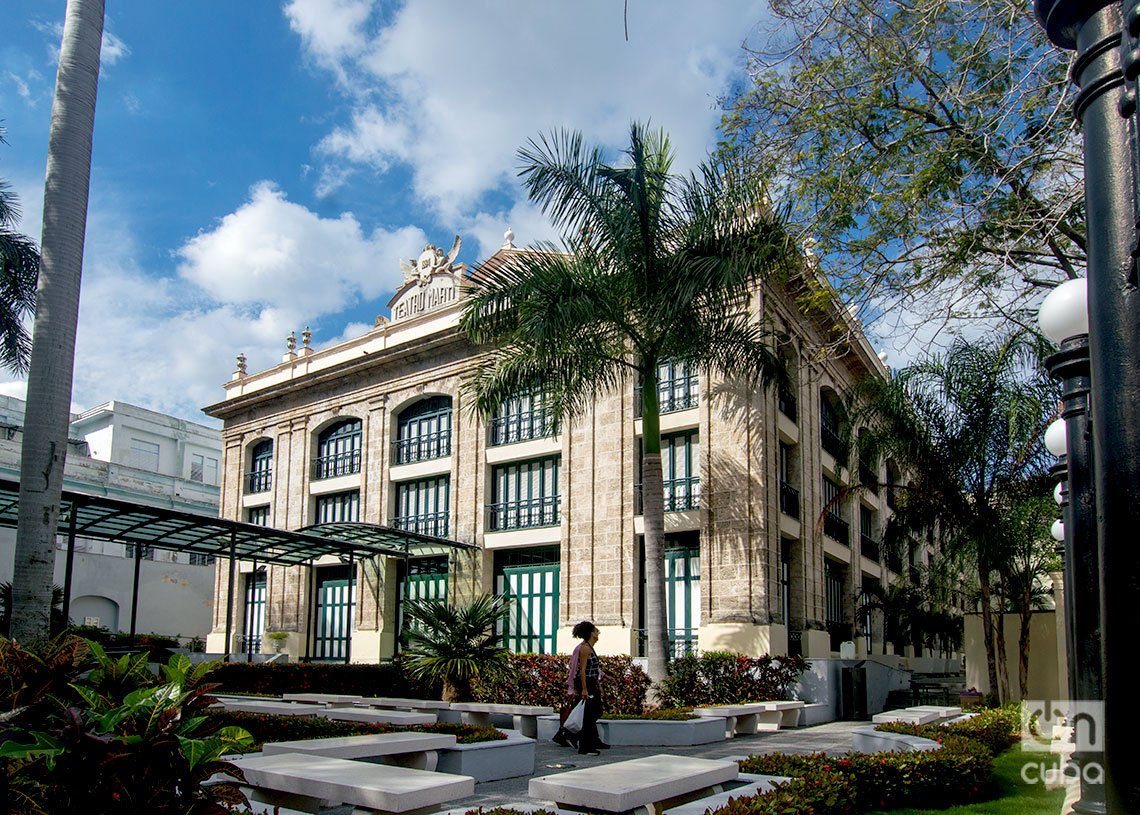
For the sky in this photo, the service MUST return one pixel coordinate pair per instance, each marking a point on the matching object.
(260, 167)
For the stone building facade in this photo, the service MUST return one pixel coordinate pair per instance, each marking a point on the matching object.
(378, 429)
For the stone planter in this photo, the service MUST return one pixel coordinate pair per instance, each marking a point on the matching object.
(657, 732)
(490, 760)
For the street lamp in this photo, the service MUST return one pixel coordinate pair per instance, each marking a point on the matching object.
(1094, 28)
(1064, 320)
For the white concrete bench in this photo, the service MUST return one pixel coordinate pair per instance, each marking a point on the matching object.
(356, 714)
(790, 711)
(398, 703)
(649, 785)
(275, 708)
(750, 717)
(944, 712)
(416, 750)
(328, 699)
(525, 717)
(752, 785)
(907, 716)
(870, 740)
(302, 782)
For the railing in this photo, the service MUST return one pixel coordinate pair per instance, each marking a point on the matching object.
(672, 395)
(523, 514)
(892, 498)
(430, 523)
(789, 500)
(869, 547)
(829, 441)
(423, 447)
(534, 424)
(335, 464)
(786, 403)
(795, 643)
(837, 528)
(250, 644)
(867, 476)
(681, 495)
(258, 481)
(682, 641)
(839, 633)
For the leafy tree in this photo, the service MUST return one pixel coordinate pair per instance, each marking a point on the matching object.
(653, 267)
(19, 265)
(455, 644)
(968, 426)
(926, 144)
(57, 314)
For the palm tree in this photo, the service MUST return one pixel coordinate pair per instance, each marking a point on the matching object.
(455, 644)
(19, 266)
(654, 267)
(57, 313)
(968, 426)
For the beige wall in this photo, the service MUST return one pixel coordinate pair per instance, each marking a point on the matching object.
(1044, 681)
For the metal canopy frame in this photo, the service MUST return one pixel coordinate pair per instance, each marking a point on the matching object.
(140, 525)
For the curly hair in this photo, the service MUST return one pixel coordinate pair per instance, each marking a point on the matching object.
(584, 629)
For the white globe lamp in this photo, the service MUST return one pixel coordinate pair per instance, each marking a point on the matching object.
(1056, 438)
(1064, 312)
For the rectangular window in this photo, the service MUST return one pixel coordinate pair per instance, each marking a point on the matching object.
(257, 515)
(789, 495)
(521, 418)
(524, 494)
(338, 507)
(833, 578)
(424, 506)
(680, 471)
(198, 559)
(144, 455)
(203, 469)
(254, 618)
(135, 550)
(834, 525)
(868, 544)
(677, 389)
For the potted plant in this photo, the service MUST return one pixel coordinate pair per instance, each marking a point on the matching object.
(278, 639)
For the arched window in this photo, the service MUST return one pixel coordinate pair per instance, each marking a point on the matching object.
(338, 450)
(423, 431)
(260, 477)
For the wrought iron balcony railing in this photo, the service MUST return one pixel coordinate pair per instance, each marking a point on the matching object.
(524, 514)
(423, 447)
(258, 481)
(672, 395)
(789, 500)
(428, 523)
(829, 440)
(786, 402)
(837, 528)
(336, 464)
(681, 495)
(868, 477)
(515, 427)
(682, 641)
(869, 547)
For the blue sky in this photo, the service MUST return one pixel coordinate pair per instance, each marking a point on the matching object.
(263, 166)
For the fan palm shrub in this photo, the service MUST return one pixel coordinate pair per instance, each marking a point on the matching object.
(653, 267)
(456, 644)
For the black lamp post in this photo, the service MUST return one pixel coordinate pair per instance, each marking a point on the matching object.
(1094, 29)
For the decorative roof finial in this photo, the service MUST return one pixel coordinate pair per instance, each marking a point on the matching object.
(241, 367)
(509, 239)
(291, 341)
(306, 335)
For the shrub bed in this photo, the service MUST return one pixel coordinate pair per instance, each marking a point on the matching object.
(540, 679)
(269, 727)
(722, 677)
(997, 728)
(661, 714)
(275, 678)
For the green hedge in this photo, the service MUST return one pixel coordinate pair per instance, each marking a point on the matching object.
(269, 727)
(957, 773)
(540, 679)
(276, 678)
(722, 677)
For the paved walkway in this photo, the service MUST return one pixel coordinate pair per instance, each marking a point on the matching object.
(550, 758)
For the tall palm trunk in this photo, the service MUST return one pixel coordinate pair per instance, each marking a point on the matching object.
(988, 628)
(653, 513)
(57, 313)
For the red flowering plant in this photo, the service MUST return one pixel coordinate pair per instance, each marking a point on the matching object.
(540, 679)
(723, 677)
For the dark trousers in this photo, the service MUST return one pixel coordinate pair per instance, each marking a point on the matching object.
(588, 737)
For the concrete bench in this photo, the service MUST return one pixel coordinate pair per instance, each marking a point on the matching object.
(525, 717)
(275, 708)
(907, 716)
(648, 785)
(870, 740)
(750, 717)
(356, 714)
(752, 785)
(398, 703)
(790, 711)
(943, 711)
(302, 782)
(328, 699)
(416, 750)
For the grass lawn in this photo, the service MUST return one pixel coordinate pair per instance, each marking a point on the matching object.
(1011, 795)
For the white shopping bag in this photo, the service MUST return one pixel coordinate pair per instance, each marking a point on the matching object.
(577, 716)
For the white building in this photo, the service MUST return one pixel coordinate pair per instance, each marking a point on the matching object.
(121, 451)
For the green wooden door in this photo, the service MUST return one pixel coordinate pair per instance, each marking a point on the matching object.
(335, 613)
(530, 579)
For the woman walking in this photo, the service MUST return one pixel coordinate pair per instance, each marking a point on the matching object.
(584, 682)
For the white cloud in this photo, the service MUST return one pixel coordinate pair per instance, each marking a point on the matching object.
(113, 49)
(454, 95)
(273, 252)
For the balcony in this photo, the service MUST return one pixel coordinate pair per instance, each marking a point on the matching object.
(829, 441)
(428, 523)
(681, 495)
(258, 481)
(892, 497)
(789, 500)
(837, 528)
(786, 402)
(868, 477)
(535, 512)
(869, 547)
(423, 447)
(516, 427)
(336, 464)
(672, 395)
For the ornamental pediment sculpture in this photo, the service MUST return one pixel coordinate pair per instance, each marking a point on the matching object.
(432, 261)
